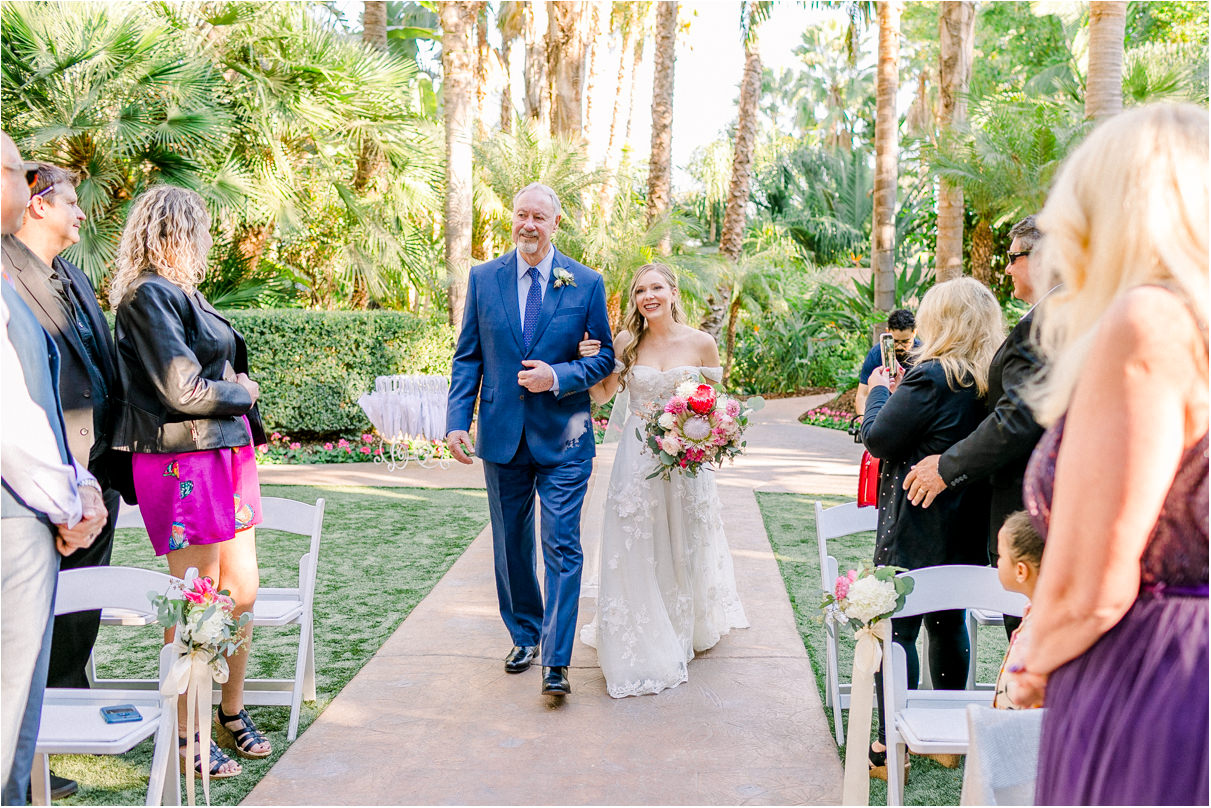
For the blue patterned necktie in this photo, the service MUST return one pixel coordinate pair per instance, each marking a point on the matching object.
(533, 307)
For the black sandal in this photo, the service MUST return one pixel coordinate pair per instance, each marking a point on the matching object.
(241, 739)
(877, 764)
(217, 760)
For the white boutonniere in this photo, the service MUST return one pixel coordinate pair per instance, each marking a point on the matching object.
(563, 278)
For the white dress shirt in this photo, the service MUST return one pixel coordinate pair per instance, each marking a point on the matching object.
(29, 453)
(523, 289)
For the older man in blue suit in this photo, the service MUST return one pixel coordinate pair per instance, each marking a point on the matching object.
(525, 314)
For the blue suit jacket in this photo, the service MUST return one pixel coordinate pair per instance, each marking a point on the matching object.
(489, 353)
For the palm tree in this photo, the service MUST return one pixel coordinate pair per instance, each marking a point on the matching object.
(374, 23)
(627, 20)
(483, 53)
(956, 25)
(731, 239)
(661, 160)
(511, 21)
(565, 64)
(538, 102)
(1104, 83)
(593, 37)
(457, 95)
(883, 227)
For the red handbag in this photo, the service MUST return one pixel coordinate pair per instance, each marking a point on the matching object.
(868, 481)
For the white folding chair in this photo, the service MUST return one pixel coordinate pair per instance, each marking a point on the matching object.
(935, 721)
(275, 606)
(71, 718)
(832, 523)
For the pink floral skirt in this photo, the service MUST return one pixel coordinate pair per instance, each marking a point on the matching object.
(197, 497)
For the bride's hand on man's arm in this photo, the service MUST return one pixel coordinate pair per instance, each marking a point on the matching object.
(588, 347)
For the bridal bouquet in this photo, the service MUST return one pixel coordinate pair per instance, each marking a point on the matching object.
(865, 600)
(207, 631)
(696, 426)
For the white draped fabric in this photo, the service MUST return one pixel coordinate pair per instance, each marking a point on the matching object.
(665, 583)
(407, 406)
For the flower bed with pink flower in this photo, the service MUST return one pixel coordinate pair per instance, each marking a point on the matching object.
(697, 426)
(362, 448)
(828, 418)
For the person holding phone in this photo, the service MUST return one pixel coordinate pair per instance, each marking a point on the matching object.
(935, 404)
(189, 415)
(903, 328)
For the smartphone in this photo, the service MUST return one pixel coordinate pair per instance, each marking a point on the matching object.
(887, 348)
(120, 714)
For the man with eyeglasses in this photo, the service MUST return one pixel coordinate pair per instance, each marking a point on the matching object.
(903, 328)
(65, 303)
(48, 502)
(1000, 446)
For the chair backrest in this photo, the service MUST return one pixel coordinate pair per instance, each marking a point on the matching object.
(959, 586)
(832, 523)
(88, 588)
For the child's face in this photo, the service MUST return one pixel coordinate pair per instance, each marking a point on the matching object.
(1006, 563)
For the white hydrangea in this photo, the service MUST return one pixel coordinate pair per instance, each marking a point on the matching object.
(868, 598)
(667, 420)
(209, 630)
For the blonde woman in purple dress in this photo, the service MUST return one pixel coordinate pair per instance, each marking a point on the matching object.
(1118, 484)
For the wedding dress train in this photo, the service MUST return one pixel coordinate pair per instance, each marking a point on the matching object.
(666, 586)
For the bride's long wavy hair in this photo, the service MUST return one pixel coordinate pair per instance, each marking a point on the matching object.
(636, 324)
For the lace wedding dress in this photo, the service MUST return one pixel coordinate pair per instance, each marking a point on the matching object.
(666, 586)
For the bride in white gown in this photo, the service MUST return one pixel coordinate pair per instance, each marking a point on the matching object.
(666, 587)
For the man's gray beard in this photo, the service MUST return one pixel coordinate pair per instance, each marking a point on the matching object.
(527, 247)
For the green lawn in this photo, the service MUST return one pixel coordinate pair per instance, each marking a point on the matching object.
(790, 521)
(383, 549)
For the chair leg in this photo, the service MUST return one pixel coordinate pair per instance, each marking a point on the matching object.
(972, 637)
(40, 780)
(304, 678)
(90, 670)
(309, 673)
(897, 753)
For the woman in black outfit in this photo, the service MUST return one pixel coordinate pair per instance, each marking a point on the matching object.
(936, 404)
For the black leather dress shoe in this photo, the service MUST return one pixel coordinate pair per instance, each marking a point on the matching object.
(520, 657)
(60, 788)
(555, 681)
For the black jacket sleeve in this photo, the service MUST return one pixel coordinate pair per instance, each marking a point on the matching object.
(153, 316)
(1009, 433)
(892, 424)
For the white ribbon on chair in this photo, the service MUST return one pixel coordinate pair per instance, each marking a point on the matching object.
(191, 673)
(868, 656)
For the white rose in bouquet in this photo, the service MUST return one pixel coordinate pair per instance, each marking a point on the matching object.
(671, 445)
(667, 420)
(868, 598)
(209, 630)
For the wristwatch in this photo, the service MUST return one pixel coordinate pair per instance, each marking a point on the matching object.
(90, 482)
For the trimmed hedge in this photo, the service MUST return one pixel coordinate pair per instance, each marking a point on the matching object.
(314, 365)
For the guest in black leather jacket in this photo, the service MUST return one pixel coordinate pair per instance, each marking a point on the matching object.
(189, 416)
(936, 404)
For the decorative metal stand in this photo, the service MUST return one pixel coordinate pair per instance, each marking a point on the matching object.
(404, 409)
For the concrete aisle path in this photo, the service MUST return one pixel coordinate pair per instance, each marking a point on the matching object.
(433, 718)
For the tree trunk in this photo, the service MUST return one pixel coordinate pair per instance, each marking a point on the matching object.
(981, 253)
(565, 65)
(592, 69)
(956, 24)
(1104, 82)
(537, 102)
(640, 43)
(733, 317)
(883, 226)
(626, 56)
(482, 54)
(374, 23)
(506, 94)
(731, 238)
(458, 58)
(660, 165)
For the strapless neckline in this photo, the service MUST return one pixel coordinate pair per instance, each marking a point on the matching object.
(677, 367)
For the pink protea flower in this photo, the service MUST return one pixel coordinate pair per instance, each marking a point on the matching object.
(732, 408)
(696, 428)
(676, 405)
(702, 400)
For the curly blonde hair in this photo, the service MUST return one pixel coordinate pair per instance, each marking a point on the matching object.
(1129, 208)
(636, 324)
(164, 234)
(960, 326)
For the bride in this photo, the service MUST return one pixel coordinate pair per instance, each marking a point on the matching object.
(666, 585)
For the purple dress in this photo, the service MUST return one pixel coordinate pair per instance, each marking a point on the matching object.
(1126, 721)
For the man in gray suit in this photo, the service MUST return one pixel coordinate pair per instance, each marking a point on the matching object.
(47, 501)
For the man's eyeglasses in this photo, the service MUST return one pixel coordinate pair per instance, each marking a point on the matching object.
(1013, 256)
(31, 174)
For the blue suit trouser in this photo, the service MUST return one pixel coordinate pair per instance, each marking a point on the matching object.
(30, 568)
(560, 489)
